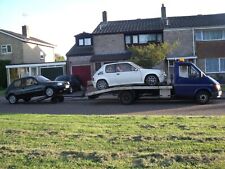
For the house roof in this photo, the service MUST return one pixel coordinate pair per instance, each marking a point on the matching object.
(111, 57)
(80, 51)
(25, 39)
(157, 24)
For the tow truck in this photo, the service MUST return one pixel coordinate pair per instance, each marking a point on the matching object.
(188, 82)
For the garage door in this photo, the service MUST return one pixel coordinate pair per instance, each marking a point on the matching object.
(84, 72)
(52, 72)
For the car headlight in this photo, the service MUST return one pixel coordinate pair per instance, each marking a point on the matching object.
(218, 87)
(59, 83)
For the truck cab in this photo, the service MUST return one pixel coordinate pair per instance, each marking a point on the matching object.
(190, 82)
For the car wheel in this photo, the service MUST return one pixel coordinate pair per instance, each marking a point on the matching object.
(151, 80)
(101, 84)
(27, 99)
(49, 92)
(202, 97)
(12, 99)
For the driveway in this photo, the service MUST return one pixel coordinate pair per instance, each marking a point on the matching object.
(111, 106)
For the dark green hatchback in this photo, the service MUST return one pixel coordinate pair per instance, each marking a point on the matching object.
(33, 86)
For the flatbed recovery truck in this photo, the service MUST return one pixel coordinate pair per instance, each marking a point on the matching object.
(188, 82)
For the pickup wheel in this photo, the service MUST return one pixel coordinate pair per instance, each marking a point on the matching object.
(49, 92)
(12, 99)
(202, 97)
(151, 80)
(126, 97)
(102, 84)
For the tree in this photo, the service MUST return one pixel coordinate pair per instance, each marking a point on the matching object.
(59, 58)
(151, 54)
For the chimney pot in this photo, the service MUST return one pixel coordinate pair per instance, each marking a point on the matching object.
(25, 31)
(104, 16)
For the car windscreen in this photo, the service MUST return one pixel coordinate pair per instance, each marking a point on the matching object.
(42, 79)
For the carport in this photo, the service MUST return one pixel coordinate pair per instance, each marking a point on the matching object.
(49, 70)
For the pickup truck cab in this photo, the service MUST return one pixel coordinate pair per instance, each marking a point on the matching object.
(191, 82)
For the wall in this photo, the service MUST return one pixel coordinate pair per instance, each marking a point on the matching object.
(210, 49)
(184, 37)
(109, 44)
(32, 53)
(16, 56)
(78, 61)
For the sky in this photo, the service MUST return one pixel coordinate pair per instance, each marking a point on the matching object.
(57, 21)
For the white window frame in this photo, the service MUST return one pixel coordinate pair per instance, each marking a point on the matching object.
(81, 42)
(87, 41)
(219, 65)
(201, 33)
(5, 47)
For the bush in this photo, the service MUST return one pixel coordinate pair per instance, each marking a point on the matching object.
(3, 79)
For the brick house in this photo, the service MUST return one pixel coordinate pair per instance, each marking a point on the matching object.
(201, 40)
(28, 55)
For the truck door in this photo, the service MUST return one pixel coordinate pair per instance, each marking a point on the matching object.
(187, 80)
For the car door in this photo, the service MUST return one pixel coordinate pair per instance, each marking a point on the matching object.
(127, 74)
(31, 87)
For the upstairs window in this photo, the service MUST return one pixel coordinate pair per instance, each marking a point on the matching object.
(6, 49)
(85, 42)
(210, 35)
(143, 38)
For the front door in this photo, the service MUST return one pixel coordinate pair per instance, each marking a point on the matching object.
(127, 74)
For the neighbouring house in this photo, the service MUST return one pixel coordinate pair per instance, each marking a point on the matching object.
(200, 38)
(79, 56)
(28, 55)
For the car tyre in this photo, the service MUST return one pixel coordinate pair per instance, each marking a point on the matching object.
(12, 99)
(49, 92)
(202, 97)
(102, 84)
(151, 80)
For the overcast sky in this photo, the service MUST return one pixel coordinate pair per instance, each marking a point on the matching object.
(57, 21)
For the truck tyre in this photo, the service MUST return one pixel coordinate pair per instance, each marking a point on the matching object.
(49, 92)
(151, 80)
(12, 99)
(202, 97)
(101, 84)
(126, 97)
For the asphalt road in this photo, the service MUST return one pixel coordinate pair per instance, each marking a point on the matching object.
(111, 106)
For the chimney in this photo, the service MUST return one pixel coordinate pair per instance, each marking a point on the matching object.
(104, 16)
(163, 12)
(25, 31)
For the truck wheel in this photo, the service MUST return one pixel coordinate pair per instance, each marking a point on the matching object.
(151, 80)
(49, 92)
(126, 97)
(12, 99)
(101, 84)
(202, 97)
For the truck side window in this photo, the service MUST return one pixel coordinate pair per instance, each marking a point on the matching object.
(186, 71)
(183, 71)
(193, 73)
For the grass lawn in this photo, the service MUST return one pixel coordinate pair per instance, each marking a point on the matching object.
(64, 141)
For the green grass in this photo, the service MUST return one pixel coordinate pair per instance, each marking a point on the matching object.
(64, 141)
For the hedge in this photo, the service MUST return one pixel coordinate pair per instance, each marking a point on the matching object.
(3, 77)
